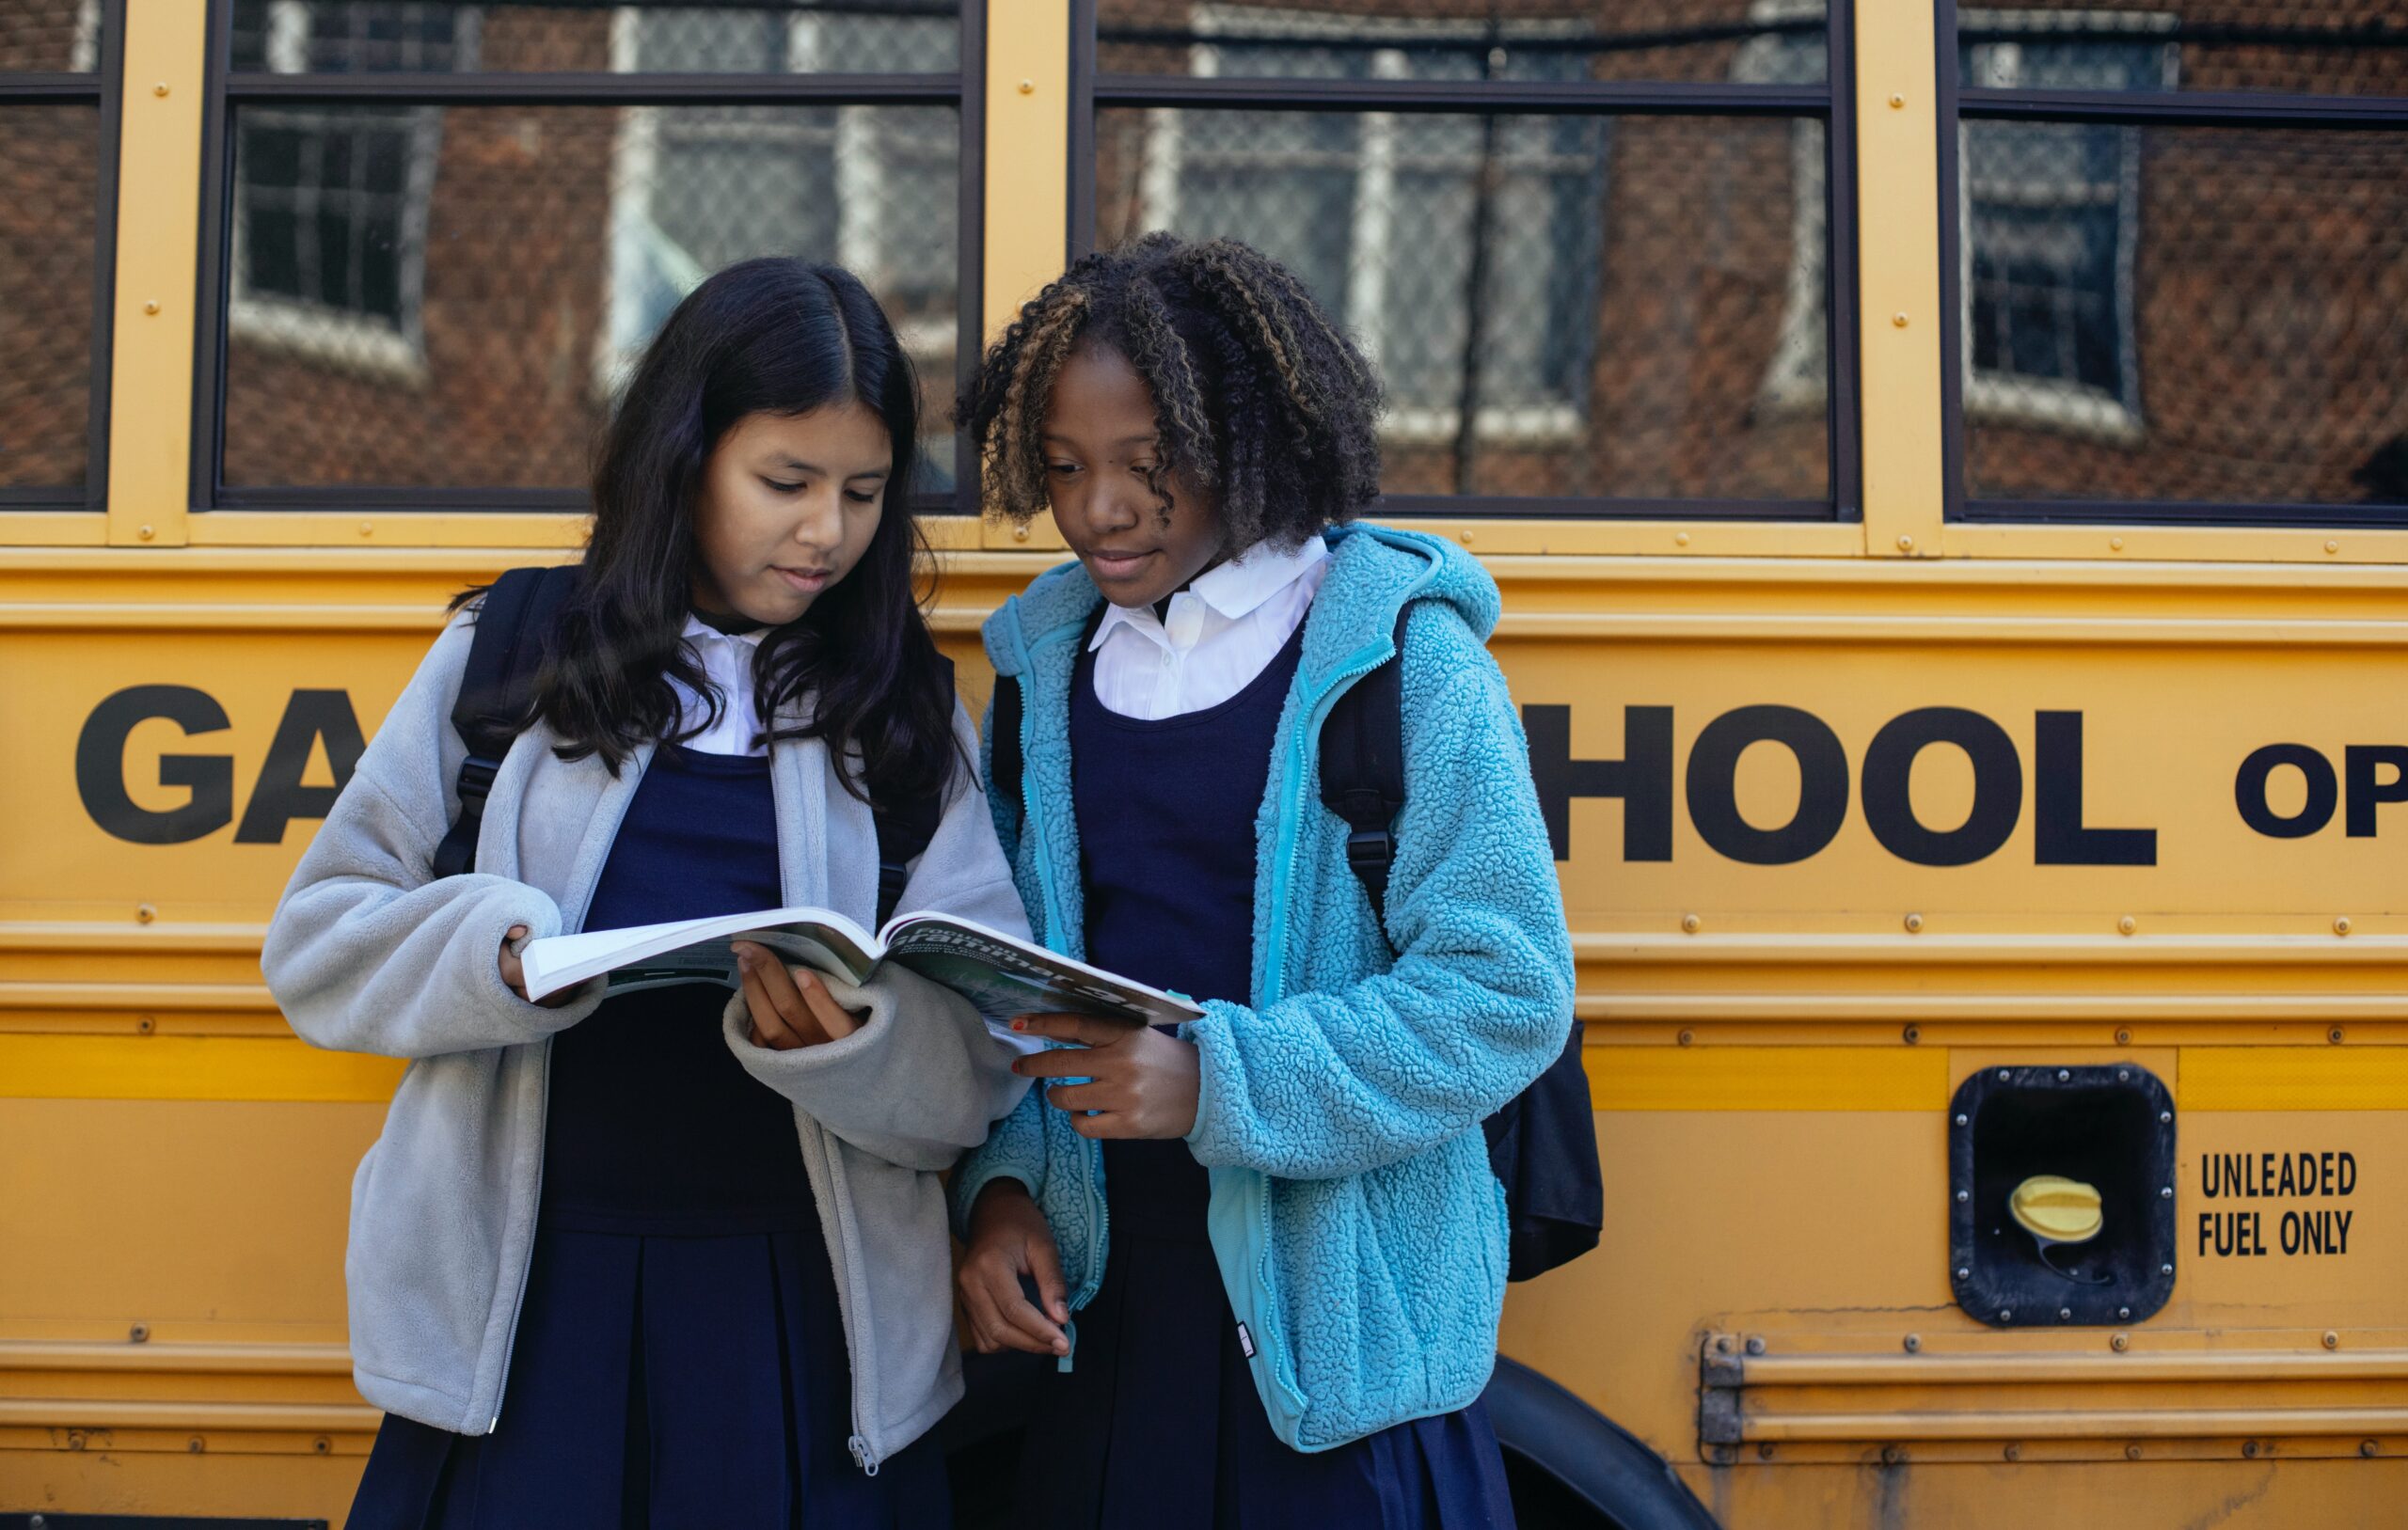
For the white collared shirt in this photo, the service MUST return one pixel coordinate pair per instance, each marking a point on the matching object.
(727, 662)
(1223, 631)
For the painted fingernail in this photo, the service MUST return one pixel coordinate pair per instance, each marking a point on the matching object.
(1020, 1025)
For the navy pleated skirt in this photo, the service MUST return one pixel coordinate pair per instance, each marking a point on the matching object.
(660, 1381)
(1158, 1423)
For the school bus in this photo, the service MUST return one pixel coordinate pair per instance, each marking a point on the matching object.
(1947, 468)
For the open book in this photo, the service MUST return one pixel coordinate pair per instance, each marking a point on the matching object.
(1003, 976)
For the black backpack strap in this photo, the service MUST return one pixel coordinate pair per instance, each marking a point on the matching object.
(904, 830)
(1002, 743)
(1362, 769)
(514, 622)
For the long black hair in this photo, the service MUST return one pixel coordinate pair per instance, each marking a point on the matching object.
(1258, 395)
(774, 336)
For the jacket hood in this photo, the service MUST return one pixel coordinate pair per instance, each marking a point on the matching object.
(1374, 570)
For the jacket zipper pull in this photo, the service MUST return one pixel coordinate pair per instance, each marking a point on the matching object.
(862, 1458)
(1071, 1332)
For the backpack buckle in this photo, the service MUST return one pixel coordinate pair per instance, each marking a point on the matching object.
(1368, 851)
(476, 778)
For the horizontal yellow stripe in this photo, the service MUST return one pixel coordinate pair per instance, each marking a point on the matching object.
(2293, 1079)
(1767, 1078)
(188, 1067)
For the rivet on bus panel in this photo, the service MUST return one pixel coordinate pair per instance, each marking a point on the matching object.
(1914, 1342)
(2249, 1449)
(145, 1023)
(1915, 924)
(2123, 1037)
(145, 913)
(2341, 926)
(2120, 1343)
(150, 306)
(2368, 1447)
(1755, 1344)
(1687, 1036)
(1028, 88)
(1899, 318)
(2116, 544)
(1691, 924)
(2014, 1453)
(1680, 539)
(1897, 99)
(147, 533)
(1892, 1454)
(140, 1334)
(367, 529)
(2332, 1340)
(2334, 1035)
(2126, 925)
(1911, 1035)
(1764, 1451)
(2132, 1453)
(195, 1445)
(1906, 544)
(2332, 546)
(159, 89)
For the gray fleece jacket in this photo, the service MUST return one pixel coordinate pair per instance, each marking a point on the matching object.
(370, 953)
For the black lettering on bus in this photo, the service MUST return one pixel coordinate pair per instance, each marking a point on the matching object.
(280, 798)
(1997, 786)
(2060, 837)
(1643, 777)
(2359, 762)
(1822, 784)
(2249, 791)
(99, 767)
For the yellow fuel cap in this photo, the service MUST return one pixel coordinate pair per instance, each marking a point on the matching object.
(2056, 1210)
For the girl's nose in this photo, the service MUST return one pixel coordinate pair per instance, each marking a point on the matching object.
(1116, 508)
(822, 522)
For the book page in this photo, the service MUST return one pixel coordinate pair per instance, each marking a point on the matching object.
(698, 951)
(1005, 977)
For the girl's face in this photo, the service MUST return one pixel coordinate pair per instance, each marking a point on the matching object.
(1101, 449)
(787, 505)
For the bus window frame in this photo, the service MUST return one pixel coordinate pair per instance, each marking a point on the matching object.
(103, 89)
(452, 516)
(1959, 103)
(1833, 105)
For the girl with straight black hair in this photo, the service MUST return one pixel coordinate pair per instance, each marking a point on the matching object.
(672, 1258)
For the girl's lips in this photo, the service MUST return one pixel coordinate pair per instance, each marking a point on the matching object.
(803, 581)
(1115, 565)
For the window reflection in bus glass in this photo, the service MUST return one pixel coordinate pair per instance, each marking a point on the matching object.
(1686, 40)
(2177, 313)
(2358, 49)
(772, 37)
(1569, 305)
(48, 180)
(446, 297)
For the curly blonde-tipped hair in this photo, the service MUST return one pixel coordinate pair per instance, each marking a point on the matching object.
(1257, 396)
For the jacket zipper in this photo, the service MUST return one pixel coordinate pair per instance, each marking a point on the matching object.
(1098, 1213)
(518, 1302)
(1275, 969)
(862, 1364)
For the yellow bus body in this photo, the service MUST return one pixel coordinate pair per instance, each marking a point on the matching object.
(1772, 1050)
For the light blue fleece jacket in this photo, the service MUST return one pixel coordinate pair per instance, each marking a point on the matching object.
(1359, 1231)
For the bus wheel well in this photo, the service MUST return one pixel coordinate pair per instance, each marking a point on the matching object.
(1572, 1468)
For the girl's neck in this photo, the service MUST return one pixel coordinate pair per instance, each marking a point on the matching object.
(732, 625)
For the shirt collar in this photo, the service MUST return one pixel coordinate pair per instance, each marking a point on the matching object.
(1233, 589)
(698, 628)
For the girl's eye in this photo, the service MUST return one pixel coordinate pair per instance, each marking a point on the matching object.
(1064, 469)
(781, 487)
(860, 497)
